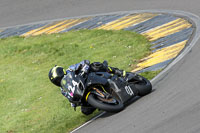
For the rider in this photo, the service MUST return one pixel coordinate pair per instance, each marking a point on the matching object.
(57, 73)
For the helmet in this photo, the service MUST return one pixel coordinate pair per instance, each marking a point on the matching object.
(56, 74)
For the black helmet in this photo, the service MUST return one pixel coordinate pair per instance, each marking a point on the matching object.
(56, 74)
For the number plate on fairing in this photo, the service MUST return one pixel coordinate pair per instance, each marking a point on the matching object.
(123, 91)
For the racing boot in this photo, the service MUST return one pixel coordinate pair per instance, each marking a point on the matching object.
(87, 110)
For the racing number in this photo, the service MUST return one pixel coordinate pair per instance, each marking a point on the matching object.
(74, 85)
(129, 90)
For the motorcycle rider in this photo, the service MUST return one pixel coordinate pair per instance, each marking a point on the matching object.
(57, 73)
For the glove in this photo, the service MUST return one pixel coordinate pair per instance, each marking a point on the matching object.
(124, 73)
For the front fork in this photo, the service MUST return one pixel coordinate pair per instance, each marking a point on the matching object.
(103, 94)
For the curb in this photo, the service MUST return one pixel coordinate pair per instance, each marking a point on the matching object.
(147, 22)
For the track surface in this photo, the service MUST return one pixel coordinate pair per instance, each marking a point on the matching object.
(175, 104)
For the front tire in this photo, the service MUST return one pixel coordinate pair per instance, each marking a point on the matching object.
(97, 103)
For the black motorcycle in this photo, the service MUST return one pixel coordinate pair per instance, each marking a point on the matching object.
(103, 90)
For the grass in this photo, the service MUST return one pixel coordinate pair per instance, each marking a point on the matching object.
(28, 101)
(150, 74)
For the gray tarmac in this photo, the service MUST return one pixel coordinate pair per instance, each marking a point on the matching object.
(174, 106)
(17, 12)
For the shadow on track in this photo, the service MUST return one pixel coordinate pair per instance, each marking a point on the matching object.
(131, 101)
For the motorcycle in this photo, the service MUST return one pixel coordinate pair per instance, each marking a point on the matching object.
(103, 90)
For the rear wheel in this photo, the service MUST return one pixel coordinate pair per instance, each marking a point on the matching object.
(142, 84)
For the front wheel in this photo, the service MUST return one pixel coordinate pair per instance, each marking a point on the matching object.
(112, 104)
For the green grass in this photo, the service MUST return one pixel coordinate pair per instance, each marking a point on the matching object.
(28, 101)
(150, 74)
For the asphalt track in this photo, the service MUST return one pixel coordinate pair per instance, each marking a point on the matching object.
(173, 107)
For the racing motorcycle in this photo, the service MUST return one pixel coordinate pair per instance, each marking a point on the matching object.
(103, 90)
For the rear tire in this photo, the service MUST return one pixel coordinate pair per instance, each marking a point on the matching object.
(95, 102)
(144, 87)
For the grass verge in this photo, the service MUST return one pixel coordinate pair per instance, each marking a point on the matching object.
(28, 101)
(151, 74)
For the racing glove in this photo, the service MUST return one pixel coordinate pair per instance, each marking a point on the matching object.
(117, 71)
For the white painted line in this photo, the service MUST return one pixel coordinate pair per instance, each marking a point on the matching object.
(195, 22)
(88, 122)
